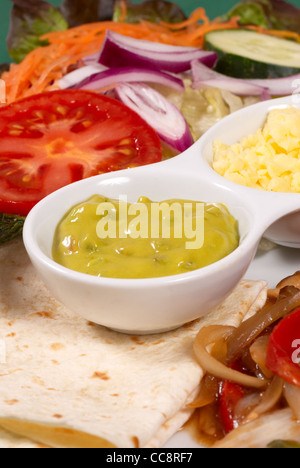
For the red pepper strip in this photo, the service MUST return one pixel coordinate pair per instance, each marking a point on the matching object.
(231, 394)
(284, 349)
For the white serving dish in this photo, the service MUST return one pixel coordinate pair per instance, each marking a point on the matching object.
(159, 304)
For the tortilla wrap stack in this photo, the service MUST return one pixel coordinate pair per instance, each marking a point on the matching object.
(65, 382)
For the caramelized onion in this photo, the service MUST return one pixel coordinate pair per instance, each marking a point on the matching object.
(207, 422)
(210, 335)
(258, 352)
(293, 280)
(292, 395)
(243, 336)
(208, 392)
(245, 406)
(269, 399)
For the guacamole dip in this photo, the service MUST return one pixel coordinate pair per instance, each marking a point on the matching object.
(117, 239)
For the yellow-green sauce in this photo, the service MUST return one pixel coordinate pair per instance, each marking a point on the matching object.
(159, 248)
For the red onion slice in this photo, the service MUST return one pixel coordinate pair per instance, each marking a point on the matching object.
(114, 76)
(123, 51)
(160, 113)
(204, 76)
(280, 86)
(77, 76)
(91, 59)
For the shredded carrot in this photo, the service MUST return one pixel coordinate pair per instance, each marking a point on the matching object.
(123, 11)
(198, 15)
(44, 66)
(276, 32)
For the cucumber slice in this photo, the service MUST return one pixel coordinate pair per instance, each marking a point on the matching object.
(248, 54)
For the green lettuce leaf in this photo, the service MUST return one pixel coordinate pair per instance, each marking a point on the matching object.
(270, 14)
(78, 12)
(11, 226)
(30, 19)
(150, 10)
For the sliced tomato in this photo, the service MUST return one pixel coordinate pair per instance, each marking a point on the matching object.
(53, 139)
(284, 349)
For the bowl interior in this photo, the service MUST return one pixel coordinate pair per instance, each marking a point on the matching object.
(285, 231)
(241, 124)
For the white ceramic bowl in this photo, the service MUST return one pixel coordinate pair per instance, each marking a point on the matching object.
(281, 229)
(159, 304)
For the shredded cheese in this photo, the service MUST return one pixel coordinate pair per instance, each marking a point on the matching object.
(268, 160)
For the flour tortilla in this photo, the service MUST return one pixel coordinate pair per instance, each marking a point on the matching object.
(13, 441)
(66, 382)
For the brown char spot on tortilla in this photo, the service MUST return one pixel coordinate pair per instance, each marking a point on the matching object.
(100, 375)
(137, 340)
(42, 313)
(158, 342)
(11, 402)
(37, 380)
(136, 442)
(57, 346)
